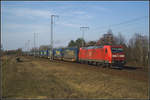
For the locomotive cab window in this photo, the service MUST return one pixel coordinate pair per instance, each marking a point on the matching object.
(116, 50)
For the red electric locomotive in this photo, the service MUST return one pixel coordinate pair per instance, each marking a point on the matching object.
(107, 55)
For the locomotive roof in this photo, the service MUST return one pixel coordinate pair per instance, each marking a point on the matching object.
(92, 47)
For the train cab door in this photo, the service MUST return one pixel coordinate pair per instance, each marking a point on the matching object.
(106, 55)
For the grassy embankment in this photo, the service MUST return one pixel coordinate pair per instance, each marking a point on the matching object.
(40, 78)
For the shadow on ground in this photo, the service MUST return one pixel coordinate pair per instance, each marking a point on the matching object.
(131, 68)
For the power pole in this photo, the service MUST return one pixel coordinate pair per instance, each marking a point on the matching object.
(25, 47)
(34, 44)
(28, 45)
(83, 29)
(37, 42)
(52, 22)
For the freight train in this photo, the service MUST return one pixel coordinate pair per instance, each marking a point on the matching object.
(106, 56)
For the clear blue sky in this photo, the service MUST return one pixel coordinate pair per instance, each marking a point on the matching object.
(21, 19)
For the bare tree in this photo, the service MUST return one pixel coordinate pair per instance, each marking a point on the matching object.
(119, 39)
(138, 49)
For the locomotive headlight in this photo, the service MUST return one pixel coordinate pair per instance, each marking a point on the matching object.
(114, 55)
(121, 55)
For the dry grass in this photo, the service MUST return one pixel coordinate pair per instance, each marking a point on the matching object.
(40, 78)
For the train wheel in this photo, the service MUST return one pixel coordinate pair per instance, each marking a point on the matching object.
(79, 62)
(110, 66)
(100, 64)
(96, 63)
(82, 62)
(92, 62)
(85, 62)
(120, 67)
(104, 65)
(89, 62)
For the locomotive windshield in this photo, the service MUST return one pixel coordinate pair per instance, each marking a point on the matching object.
(116, 50)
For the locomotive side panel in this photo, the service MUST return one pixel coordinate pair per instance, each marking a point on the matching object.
(95, 54)
(100, 55)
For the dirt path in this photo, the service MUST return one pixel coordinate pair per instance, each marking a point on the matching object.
(41, 78)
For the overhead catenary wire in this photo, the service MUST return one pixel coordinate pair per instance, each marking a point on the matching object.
(124, 22)
(129, 21)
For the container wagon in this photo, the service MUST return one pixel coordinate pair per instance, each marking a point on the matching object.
(70, 54)
(58, 54)
(45, 53)
(41, 53)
